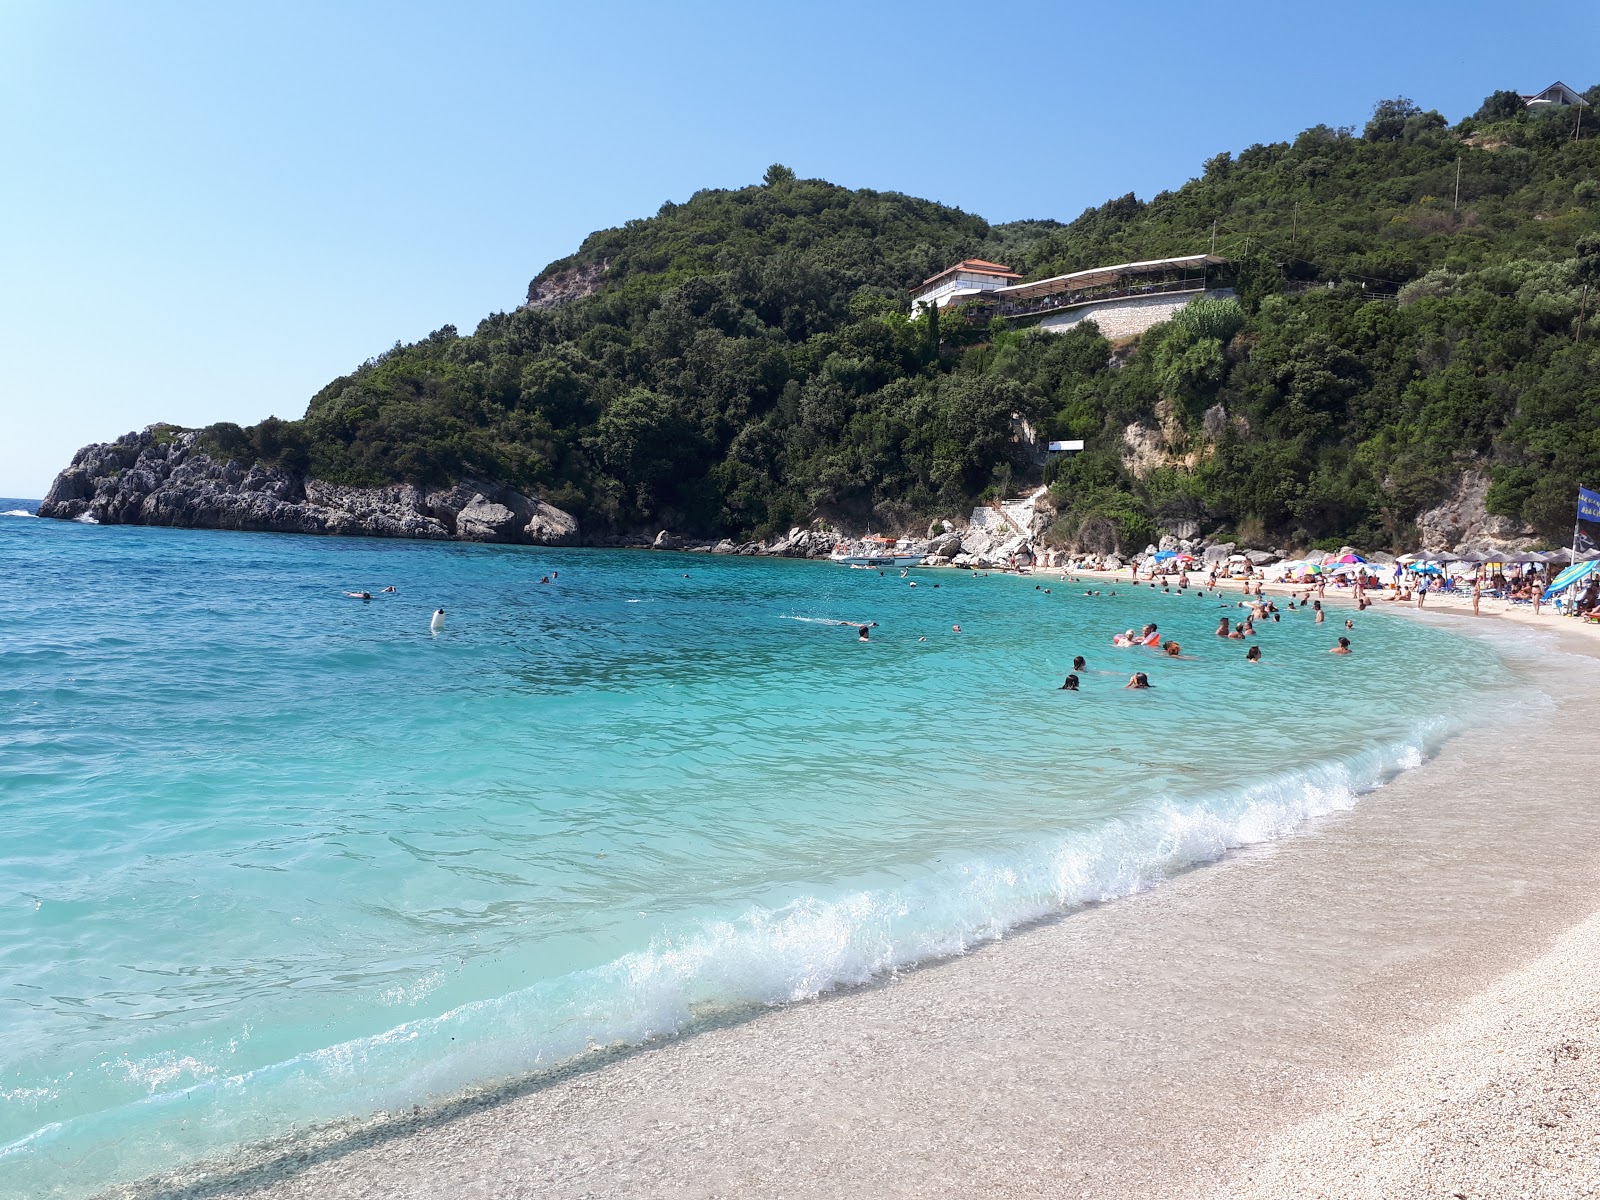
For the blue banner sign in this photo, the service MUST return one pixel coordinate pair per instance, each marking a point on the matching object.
(1588, 505)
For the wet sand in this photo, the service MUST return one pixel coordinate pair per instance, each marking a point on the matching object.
(1240, 1031)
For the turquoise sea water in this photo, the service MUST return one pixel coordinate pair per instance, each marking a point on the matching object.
(274, 856)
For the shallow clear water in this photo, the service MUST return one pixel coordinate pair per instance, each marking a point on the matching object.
(274, 856)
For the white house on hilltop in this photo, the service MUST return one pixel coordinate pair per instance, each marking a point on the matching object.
(1557, 94)
(966, 278)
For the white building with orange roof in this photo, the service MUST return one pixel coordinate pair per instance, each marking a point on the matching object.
(967, 278)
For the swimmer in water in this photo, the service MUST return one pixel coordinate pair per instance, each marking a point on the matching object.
(1238, 632)
(1349, 624)
(359, 595)
(1071, 684)
(546, 579)
(437, 624)
(390, 588)
(1080, 663)
(955, 629)
(863, 636)
(557, 575)
(1253, 654)
(1321, 616)
(1140, 680)
(1222, 629)
(1342, 648)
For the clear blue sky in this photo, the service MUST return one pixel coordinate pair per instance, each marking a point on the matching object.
(211, 209)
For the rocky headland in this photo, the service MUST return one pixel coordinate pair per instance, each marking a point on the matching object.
(161, 477)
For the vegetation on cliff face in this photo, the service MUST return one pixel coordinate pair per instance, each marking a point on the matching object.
(744, 361)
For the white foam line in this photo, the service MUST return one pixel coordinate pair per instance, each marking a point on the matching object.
(764, 956)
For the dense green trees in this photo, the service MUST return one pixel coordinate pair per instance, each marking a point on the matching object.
(745, 360)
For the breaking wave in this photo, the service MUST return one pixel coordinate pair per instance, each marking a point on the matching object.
(765, 956)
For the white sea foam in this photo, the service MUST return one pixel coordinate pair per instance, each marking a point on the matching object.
(17, 512)
(87, 519)
(765, 956)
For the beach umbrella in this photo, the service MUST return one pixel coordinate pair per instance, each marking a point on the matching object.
(1406, 559)
(1351, 558)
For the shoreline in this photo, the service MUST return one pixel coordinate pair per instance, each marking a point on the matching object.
(1130, 1049)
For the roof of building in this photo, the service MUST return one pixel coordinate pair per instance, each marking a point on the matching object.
(975, 266)
(1568, 95)
(1096, 276)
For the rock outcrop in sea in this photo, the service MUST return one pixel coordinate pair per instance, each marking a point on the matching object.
(160, 477)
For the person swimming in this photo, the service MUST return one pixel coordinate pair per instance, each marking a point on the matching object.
(1140, 680)
(1069, 685)
(1253, 654)
(1223, 628)
(390, 588)
(1238, 632)
(955, 629)
(1125, 639)
(437, 624)
(1173, 650)
(1079, 663)
(1342, 648)
(546, 579)
(359, 595)
(863, 637)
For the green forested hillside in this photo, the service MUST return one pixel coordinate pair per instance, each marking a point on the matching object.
(744, 361)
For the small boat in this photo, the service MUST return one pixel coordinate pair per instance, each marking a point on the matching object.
(891, 554)
(881, 560)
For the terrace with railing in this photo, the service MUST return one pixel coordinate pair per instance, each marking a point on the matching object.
(1195, 273)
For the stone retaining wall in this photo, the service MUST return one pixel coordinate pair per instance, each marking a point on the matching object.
(1128, 317)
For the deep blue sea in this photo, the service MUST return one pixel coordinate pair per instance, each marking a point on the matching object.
(274, 856)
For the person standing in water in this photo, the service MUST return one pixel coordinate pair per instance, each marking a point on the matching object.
(863, 637)
(1321, 616)
(1253, 654)
(1140, 680)
(1069, 685)
(1342, 648)
(1079, 663)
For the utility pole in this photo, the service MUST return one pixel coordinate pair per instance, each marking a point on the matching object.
(1294, 227)
(1457, 202)
(1578, 128)
(1213, 235)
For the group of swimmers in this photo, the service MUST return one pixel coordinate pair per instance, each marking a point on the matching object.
(1261, 609)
